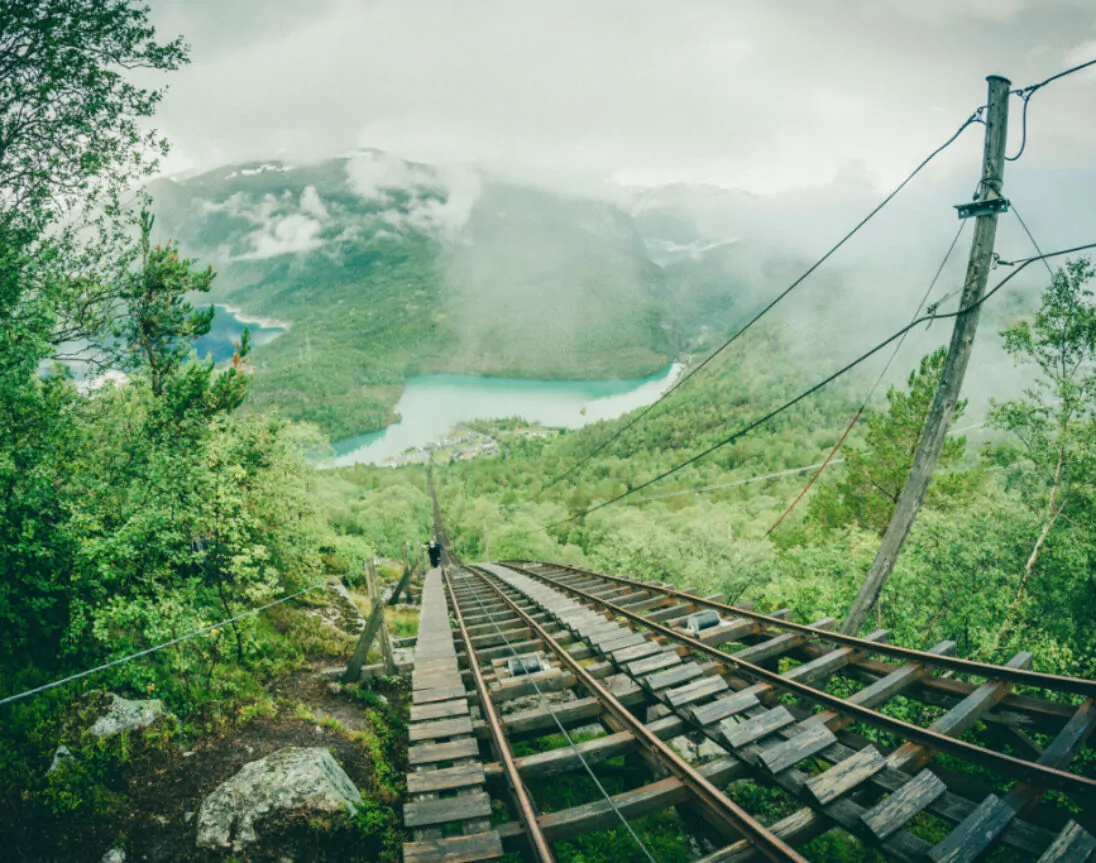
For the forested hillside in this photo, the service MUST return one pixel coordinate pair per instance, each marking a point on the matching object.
(1000, 560)
(386, 269)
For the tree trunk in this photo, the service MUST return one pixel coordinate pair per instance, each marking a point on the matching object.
(1054, 509)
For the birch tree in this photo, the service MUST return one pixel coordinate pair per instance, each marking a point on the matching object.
(1051, 454)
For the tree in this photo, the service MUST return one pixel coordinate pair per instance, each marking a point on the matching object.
(69, 115)
(159, 322)
(1051, 457)
(875, 473)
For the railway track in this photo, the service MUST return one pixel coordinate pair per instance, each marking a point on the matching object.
(746, 697)
(530, 672)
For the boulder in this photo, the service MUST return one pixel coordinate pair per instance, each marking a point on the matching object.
(290, 781)
(123, 714)
(115, 855)
(59, 757)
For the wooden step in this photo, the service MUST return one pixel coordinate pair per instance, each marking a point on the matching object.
(790, 752)
(440, 728)
(845, 775)
(1073, 845)
(890, 815)
(740, 733)
(433, 781)
(428, 753)
(439, 710)
(717, 711)
(445, 810)
(705, 687)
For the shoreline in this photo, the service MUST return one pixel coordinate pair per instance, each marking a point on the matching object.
(245, 318)
(352, 456)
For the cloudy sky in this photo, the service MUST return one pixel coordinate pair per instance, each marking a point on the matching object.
(760, 96)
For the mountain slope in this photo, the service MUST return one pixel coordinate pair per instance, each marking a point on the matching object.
(385, 269)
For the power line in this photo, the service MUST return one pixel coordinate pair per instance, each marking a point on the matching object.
(1023, 225)
(882, 374)
(737, 482)
(763, 477)
(973, 118)
(114, 663)
(1025, 94)
(1019, 264)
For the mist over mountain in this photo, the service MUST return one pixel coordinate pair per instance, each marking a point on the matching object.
(383, 269)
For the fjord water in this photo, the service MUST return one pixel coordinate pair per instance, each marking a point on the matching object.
(432, 404)
(219, 344)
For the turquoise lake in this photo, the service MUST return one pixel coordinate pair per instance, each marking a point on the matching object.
(219, 344)
(432, 405)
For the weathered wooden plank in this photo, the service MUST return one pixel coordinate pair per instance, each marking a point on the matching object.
(433, 781)
(669, 612)
(653, 663)
(732, 630)
(826, 664)
(778, 644)
(600, 815)
(740, 733)
(455, 849)
(845, 775)
(1073, 845)
(979, 829)
(713, 684)
(889, 815)
(444, 810)
(675, 676)
(631, 639)
(961, 717)
(742, 700)
(965, 842)
(438, 693)
(433, 680)
(639, 651)
(569, 713)
(793, 750)
(439, 710)
(440, 728)
(797, 828)
(430, 753)
(565, 759)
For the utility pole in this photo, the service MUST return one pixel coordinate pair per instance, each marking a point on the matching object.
(962, 341)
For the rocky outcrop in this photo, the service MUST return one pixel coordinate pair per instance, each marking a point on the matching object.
(124, 714)
(341, 612)
(105, 715)
(62, 754)
(291, 781)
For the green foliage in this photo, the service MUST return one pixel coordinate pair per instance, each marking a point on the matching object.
(70, 114)
(385, 738)
(1049, 457)
(876, 472)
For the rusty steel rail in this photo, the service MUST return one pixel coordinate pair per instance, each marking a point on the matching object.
(526, 812)
(985, 670)
(714, 800)
(1081, 789)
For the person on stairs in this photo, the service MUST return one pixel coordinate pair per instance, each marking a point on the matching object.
(433, 548)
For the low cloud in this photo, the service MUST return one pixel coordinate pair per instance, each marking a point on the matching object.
(418, 197)
(291, 234)
(312, 204)
(282, 225)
